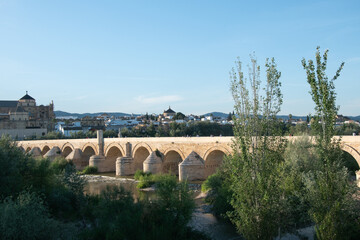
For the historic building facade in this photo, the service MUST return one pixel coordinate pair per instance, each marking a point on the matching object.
(23, 118)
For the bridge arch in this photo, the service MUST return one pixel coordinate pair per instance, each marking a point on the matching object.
(140, 145)
(352, 151)
(172, 158)
(140, 153)
(87, 151)
(213, 159)
(45, 149)
(91, 145)
(22, 149)
(66, 149)
(114, 145)
(227, 151)
(112, 152)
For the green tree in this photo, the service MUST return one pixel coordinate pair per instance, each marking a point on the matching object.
(254, 168)
(150, 130)
(179, 116)
(328, 189)
(229, 117)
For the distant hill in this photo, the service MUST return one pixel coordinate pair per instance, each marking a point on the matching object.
(60, 114)
(355, 118)
(217, 114)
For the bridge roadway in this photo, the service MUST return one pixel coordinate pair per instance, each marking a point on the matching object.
(173, 150)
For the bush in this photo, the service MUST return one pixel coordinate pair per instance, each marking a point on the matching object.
(140, 173)
(219, 194)
(59, 164)
(146, 179)
(89, 170)
(15, 168)
(26, 217)
(114, 215)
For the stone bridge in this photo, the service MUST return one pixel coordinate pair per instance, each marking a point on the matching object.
(188, 157)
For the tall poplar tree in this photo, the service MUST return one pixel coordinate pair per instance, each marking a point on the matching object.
(329, 192)
(253, 171)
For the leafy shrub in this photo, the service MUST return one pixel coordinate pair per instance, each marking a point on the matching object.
(114, 215)
(26, 217)
(15, 168)
(89, 170)
(146, 181)
(219, 194)
(59, 164)
(140, 173)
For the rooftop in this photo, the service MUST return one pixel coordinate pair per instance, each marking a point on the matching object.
(27, 97)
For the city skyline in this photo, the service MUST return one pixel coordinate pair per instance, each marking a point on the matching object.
(143, 57)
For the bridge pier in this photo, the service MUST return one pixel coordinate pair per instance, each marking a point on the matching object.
(76, 157)
(192, 168)
(153, 163)
(53, 153)
(124, 166)
(98, 160)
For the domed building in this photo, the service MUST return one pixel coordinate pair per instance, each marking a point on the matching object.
(169, 113)
(23, 118)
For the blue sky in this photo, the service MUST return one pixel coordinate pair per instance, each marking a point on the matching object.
(142, 56)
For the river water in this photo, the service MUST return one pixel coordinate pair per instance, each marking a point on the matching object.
(202, 219)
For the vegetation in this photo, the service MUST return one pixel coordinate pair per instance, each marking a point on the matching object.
(218, 194)
(269, 187)
(256, 197)
(174, 129)
(89, 170)
(329, 192)
(40, 199)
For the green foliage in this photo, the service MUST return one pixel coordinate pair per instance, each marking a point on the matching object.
(59, 164)
(350, 163)
(26, 217)
(175, 202)
(146, 179)
(328, 189)
(52, 135)
(89, 170)
(218, 194)
(323, 94)
(179, 116)
(54, 206)
(347, 129)
(300, 158)
(254, 170)
(174, 129)
(16, 168)
(139, 173)
(115, 215)
(332, 206)
(110, 133)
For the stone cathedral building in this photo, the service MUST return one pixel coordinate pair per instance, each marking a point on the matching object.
(24, 119)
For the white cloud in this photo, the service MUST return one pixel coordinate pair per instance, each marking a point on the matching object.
(354, 59)
(159, 99)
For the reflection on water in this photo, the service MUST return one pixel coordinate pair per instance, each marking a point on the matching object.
(98, 183)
